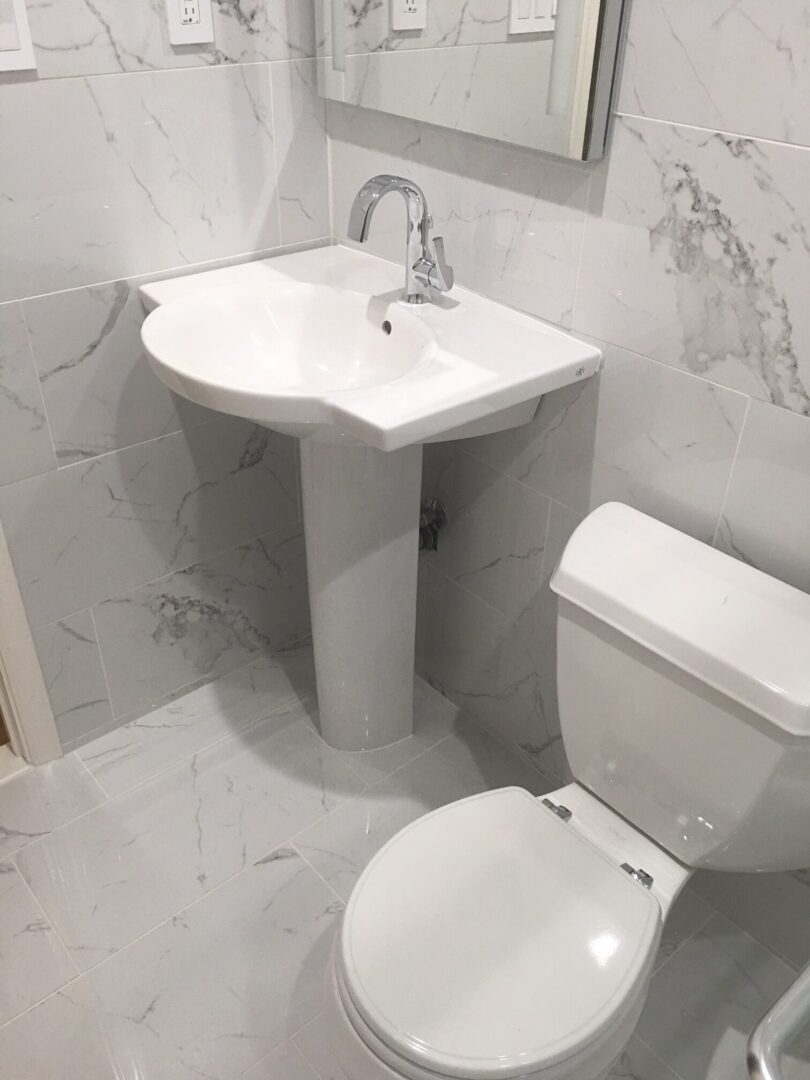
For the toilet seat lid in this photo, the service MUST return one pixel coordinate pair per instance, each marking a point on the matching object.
(488, 939)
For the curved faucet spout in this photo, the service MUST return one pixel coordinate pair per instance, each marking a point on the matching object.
(425, 265)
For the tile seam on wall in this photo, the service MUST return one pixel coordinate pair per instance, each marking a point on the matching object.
(276, 176)
(103, 672)
(731, 471)
(715, 131)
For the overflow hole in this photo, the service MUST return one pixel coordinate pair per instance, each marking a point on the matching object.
(386, 326)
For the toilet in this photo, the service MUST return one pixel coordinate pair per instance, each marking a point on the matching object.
(512, 936)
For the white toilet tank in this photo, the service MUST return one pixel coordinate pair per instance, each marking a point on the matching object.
(684, 691)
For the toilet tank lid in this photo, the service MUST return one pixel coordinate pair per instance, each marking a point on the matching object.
(731, 626)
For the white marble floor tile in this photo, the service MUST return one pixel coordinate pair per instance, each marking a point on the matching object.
(314, 1043)
(434, 718)
(689, 913)
(39, 800)
(469, 761)
(151, 852)
(144, 747)
(638, 1062)
(33, 960)
(207, 994)
(286, 1063)
(704, 1002)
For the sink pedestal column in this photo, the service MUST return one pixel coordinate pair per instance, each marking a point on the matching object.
(361, 519)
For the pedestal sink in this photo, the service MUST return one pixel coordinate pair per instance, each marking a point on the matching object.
(318, 345)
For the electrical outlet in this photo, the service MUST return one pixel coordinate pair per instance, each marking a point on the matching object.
(409, 14)
(190, 22)
(532, 16)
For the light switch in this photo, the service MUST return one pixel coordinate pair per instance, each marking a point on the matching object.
(409, 14)
(531, 16)
(190, 22)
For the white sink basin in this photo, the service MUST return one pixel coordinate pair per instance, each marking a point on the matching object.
(319, 345)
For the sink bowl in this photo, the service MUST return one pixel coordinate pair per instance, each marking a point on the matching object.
(243, 348)
(317, 344)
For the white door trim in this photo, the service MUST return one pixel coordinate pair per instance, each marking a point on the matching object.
(23, 696)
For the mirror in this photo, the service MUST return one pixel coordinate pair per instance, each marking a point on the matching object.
(538, 73)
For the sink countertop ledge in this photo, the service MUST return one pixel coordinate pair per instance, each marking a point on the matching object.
(489, 358)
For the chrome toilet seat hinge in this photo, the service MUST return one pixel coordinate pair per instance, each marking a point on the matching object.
(641, 876)
(562, 812)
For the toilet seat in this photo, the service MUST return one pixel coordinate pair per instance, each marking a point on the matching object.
(489, 940)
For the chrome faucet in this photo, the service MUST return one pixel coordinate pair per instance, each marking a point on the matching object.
(425, 263)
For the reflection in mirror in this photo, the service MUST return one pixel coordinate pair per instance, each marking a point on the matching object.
(539, 73)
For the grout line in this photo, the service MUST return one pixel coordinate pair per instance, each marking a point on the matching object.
(714, 131)
(49, 921)
(229, 65)
(94, 779)
(657, 1057)
(316, 872)
(100, 651)
(731, 472)
(273, 117)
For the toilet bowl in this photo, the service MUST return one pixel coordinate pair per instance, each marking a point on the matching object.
(507, 936)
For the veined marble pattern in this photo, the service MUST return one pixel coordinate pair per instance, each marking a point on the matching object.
(695, 254)
(71, 665)
(766, 517)
(94, 37)
(25, 442)
(690, 61)
(115, 176)
(99, 390)
(95, 529)
(512, 220)
(451, 22)
(205, 620)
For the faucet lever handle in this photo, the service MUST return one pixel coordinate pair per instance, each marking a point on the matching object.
(441, 276)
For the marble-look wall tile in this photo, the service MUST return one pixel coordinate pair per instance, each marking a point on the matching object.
(25, 442)
(691, 61)
(120, 175)
(695, 253)
(96, 529)
(80, 37)
(99, 390)
(512, 220)
(766, 519)
(300, 139)
(208, 994)
(35, 962)
(204, 621)
(71, 666)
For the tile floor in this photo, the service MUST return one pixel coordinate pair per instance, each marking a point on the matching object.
(168, 895)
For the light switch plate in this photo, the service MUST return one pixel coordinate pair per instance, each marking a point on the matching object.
(409, 14)
(190, 22)
(16, 47)
(532, 16)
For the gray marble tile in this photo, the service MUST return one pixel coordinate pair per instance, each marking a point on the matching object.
(299, 116)
(434, 718)
(80, 37)
(40, 800)
(117, 873)
(95, 529)
(71, 665)
(315, 1044)
(554, 453)
(705, 1001)
(493, 543)
(208, 994)
(469, 761)
(205, 620)
(484, 662)
(695, 254)
(691, 62)
(767, 513)
(25, 442)
(99, 390)
(688, 915)
(638, 1062)
(512, 220)
(286, 1063)
(33, 959)
(142, 748)
(116, 176)
(772, 908)
(665, 442)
